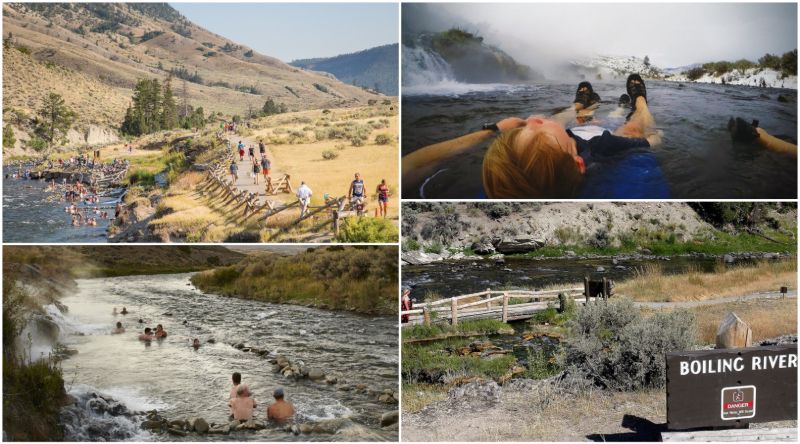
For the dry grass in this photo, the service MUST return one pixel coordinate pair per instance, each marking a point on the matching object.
(651, 284)
(304, 162)
(417, 396)
(523, 416)
(768, 318)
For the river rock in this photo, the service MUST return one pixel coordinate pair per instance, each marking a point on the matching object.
(385, 398)
(239, 346)
(305, 428)
(235, 423)
(315, 374)
(771, 256)
(361, 387)
(390, 418)
(600, 270)
(344, 388)
(212, 341)
(288, 373)
(223, 430)
(245, 349)
(483, 248)
(282, 361)
(151, 424)
(331, 379)
(199, 425)
(420, 257)
(330, 426)
(177, 424)
(519, 244)
(728, 258)
(276, 368)
(479, 391)
(173, 431)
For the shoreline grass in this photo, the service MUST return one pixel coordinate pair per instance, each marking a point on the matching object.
(651, 284)
(440, 330)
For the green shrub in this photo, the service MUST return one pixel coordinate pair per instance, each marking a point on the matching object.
(616, 347)
(695, 73)
(411, 245)
(355, 141)
(329, 155)
(435, 248)
(8, 136)
(367, 229)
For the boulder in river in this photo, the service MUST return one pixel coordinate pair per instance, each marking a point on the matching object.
(177, 432)
(315, 374)
(199, 425)
(330, 426)
(390, 418)
(151, 424)
(331, 379)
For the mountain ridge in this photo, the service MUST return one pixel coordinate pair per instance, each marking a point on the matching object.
(374, 67)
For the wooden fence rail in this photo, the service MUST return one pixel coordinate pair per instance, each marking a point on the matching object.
(503, 304)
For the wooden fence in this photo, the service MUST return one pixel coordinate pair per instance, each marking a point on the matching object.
(506, 305)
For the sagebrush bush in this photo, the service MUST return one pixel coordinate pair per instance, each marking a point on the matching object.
(383, 139)
(329, 155)
(616, 347)
(367, 229)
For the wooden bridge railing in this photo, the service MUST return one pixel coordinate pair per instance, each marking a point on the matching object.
(500, 304)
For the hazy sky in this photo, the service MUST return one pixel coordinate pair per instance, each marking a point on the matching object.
(671, 35)
(292, 31)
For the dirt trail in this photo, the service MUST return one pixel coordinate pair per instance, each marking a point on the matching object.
(245, 182)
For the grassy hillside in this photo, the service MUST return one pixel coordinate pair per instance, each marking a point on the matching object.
(93, 54)
(362, 279)
(374, 68)
(66, 262)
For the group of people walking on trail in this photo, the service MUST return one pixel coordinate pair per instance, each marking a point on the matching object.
(242, 404)
(259, 167)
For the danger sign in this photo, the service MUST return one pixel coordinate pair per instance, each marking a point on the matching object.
(717, 388)
(738, 402)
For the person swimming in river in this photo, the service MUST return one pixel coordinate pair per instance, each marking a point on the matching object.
(538, 158)
(196, 343)
(280, 411)
(124, 311)
(114, 311)
(741, 131)
(160, 332)
(243, 405)
(147, 336)
(119, 329)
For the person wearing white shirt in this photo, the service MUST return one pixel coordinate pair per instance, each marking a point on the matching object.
(304, 196)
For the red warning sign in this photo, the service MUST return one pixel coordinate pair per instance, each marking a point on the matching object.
(738, 402)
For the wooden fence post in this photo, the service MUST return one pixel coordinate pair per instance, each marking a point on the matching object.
(586, 291)
(426, 316)
(453, 312)
(336, 222)
(605, 290)
(505, 306)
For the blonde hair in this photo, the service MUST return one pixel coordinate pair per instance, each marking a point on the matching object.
(539, 169)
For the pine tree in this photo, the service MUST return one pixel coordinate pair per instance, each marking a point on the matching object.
(169, 109)
(54, 120)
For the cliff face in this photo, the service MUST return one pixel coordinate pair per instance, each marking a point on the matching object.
(463, 225)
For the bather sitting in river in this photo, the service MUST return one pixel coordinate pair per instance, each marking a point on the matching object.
(147, 336)
(243, 405)
(196, 343)
(124, 311)
(160, 332)
(280, 411)
(539, 158)
(119, 329)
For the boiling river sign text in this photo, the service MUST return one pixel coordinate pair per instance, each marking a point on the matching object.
(708, 388)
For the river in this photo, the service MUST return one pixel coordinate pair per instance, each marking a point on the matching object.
(697, 156)
(453, 278)
(182, 382)
(31, 213)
